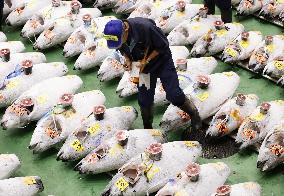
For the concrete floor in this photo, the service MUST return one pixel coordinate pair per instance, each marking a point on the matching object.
(59, 179)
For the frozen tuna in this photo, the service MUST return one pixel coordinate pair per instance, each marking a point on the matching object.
(242, 47)
(63, 27)
(271, 8)
(197, 180)
(25, 75)
(13, 46)
(232, 114)
(148, 172)
(84, 36)
(3, 37)
(38, 100)
(275, 68)
(112, 67)
(267, 51)
(256, 126)
(9, 163)
(24, 186)
(235, 2)
(271, 152)
(216, 40)
(22, 14)
(105, 4)
(176, 14)
(242, 189)
(189, 31)
(15, 4)
(95, 130)
(247, 7)
(189, 69)
(16, 59)
(44, 19)
(93, 55)
(62, 120)
(210, 93)
(116, 151)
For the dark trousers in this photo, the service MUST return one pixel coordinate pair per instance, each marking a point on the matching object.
(168, 76)
(225, 7)
(1, 18)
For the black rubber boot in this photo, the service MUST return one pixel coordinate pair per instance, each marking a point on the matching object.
(192, 111)
(1, 18)
(147, 117)
(226, 15)
(210, 4)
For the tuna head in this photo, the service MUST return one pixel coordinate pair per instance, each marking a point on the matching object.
(74, 45)
(268, 9)
(143, 11)
(247, 7)
(271, 153)
(178, 36)
(258, 60)
(231, 115)
(231, 53)
(274, 68)
(33, 27)
(47, 133)
(122, 7)
(200, 48)
(111, 67)
(13, 18)
(93, 132)
(18, 114)
(45, 39)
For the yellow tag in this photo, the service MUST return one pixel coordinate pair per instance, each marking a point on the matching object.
(278, 64)
(42, 99)
(157, 4)
(111, 37)
(231, 52)
(127, 108)
(280, 1)
(250, 185)
(102, 43)
(229, 74)
(195, 27)
(94, 28)
(156, 132)
(257, 117)
(181, 78)
(235, 114)
(181, 193)
(202, 96)
(244, 44)
(12, 84)
(190, 144)
(152, 172)
(121, 184)
(270, 48)
(94, 129)
(47, 13)
(29, 180)
(180, 14)
(76, 145)
(31, 4)
(221, 32)
(115, 150)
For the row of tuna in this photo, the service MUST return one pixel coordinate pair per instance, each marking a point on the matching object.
(25, 186)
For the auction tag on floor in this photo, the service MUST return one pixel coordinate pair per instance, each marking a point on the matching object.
(221, 32)
(278, 64)
(231, 52)
(29, 180)
(244, 44)
(257, 117)
(121, 184)
(202, 96)
(94, 128)
(77, 146)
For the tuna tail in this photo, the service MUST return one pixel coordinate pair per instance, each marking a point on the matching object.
(39, 185)
(78, 167)
(106, 193)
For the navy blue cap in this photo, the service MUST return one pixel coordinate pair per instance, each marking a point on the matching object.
(113, 33)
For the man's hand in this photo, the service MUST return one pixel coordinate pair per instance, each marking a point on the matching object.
(9, 3)
(127, 64)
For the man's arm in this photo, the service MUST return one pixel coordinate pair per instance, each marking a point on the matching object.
(9, 3)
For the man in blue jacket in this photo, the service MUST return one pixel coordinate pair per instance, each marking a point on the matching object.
(140, 40)
(1, 10)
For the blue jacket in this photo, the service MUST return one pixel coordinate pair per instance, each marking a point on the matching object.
(143, 34)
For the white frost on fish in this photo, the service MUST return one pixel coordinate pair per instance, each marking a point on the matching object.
(3, 37)
(13, 46)
(208, 101)
(242, 189)
(41, 98)
(9, 163)
(248, 7)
